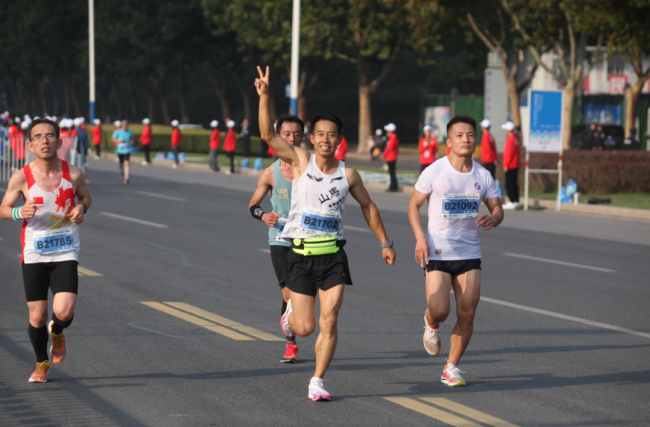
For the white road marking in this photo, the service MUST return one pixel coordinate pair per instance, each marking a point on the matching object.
(552, 261)
(4, 190)
(139, 221)
(268, 251)
(162, 196)
(565, 317)
(349, 227)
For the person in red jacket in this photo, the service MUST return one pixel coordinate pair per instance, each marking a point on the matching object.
(229, 144)
(428, 149)
(488, 148)
(215, 139)
(390, 154)
(341, 150)
(97, 137)
(145, 140)
(177, 136)
(511, 165)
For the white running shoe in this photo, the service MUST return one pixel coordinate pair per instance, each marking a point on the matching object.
(451, 376)
(431, 340)
(509, 206)
(284, 321)
(316, 391)
(174, 166)
(144, 163)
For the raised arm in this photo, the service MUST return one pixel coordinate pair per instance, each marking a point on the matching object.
(370, 212)
(421, 246)
(264, 185)
(283, 149)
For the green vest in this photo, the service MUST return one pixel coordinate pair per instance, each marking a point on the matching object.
(280, 200)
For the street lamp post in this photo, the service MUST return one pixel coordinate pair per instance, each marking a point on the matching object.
(295, 56)
(91, 57)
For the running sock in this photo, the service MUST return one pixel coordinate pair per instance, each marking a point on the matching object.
(433, 327)
(60, 325)
(39, 337)
(284, 307)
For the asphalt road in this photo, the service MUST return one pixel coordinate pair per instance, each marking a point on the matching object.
(555, 344)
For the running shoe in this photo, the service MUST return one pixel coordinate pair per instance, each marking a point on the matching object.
(40, 374)
(291, 355)
(316, 391)
(431, 340)
(127, 180)
(58, 350)
(284, 322)
(451, 376)
(120, 175)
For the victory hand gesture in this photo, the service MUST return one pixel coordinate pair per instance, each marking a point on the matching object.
(262, 84)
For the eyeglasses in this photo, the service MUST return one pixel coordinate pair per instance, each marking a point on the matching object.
(49, 136)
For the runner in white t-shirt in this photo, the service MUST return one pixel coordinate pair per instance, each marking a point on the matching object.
(450, 249)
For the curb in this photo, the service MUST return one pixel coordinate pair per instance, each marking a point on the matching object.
(594, 209)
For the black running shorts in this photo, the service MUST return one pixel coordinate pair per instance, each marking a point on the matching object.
(58, 276)
(455, 268)
(279, 260)
(307, 274)
(124, 157)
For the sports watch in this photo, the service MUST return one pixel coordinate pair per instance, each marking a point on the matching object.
(387, 245)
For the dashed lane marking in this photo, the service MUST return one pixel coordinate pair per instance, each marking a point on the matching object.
(552, 261)
(198, 321)
(225, 322)
(349, 227)
(87, 272)
(468, 412)
(161, 196)
(139, 221)
(432, 412)
(268, 251)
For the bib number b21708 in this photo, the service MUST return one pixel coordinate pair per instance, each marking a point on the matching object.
(53, 241)
(458, 206)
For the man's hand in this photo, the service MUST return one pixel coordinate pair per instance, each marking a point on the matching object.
(422, 251)
(485, 221)
(28, 210)
(270, 219)
(389, 255)
(262, 84)
(505, 169)
(77, 214)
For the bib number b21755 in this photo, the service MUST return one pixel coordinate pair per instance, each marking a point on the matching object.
(53, 241)
(458, 206)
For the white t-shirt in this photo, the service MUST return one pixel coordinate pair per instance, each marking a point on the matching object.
(454, 199)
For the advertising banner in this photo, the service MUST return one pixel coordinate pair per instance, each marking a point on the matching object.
(545, 132)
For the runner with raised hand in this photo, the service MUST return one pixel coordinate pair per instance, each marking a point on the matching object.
(50, 238)
(277, 179)
(317, 263)
(450, 250)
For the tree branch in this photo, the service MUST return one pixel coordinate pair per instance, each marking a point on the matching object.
(347, 58)
(522, 85)
(384, 73)
(480, 34)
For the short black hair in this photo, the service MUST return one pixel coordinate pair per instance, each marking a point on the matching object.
(40, 121)
(286, 118)
(330, 117)
(461, 119)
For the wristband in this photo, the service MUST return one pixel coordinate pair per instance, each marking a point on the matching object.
(257, 211)
(387, 245)
(15, 214)
(85, 208)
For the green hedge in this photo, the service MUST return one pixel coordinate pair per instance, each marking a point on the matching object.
(190, 143)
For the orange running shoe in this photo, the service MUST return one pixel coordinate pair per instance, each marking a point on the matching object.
(40, 374)
(291, 355)
(58, 350)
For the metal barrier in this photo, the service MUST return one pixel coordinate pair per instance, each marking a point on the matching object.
(14, 154)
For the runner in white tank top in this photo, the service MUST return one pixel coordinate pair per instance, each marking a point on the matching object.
(450, 250)
(317, 263)
(49, 237)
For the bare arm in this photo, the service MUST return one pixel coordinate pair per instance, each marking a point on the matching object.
(83, 195)
(295, 156)
(15, 189)
(422, 246)
(370, 212)
(496, 214)
(264, 185)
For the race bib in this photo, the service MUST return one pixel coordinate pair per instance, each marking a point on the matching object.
(455, 206)
(427, 153)
(279, 226)
(53, 241)
(321, 221)
(122, 146)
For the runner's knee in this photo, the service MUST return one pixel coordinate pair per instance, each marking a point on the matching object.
(466, 315)
(304, 327)
(37, 318)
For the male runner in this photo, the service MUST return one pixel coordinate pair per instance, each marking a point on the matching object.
(450, 249)
(124, 138)
(277, 178)
(317, 263)
(50, 238)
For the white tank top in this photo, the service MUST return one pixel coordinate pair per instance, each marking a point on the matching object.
(317, 204)
(50, 236)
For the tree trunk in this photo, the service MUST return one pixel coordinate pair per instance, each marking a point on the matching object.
(513, 95)
(246, 101)
(221, 91)
(119, 101)
(568, 93)
(631, 102)
(365, 112)
(75, 100)
(151, 103)
(134, 100)
(185, 112)
(165, 105)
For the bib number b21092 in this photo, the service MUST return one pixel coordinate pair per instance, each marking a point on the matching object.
(458, 206)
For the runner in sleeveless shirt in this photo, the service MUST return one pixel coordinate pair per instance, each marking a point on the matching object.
(450, 250)
(316, 263)
(277, 178)
(50, 238)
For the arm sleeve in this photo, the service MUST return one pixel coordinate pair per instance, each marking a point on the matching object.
(425, 181)
(490, 188)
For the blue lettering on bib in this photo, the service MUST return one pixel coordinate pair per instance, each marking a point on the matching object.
(455, 206)
(316, 222)
(53, 241)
